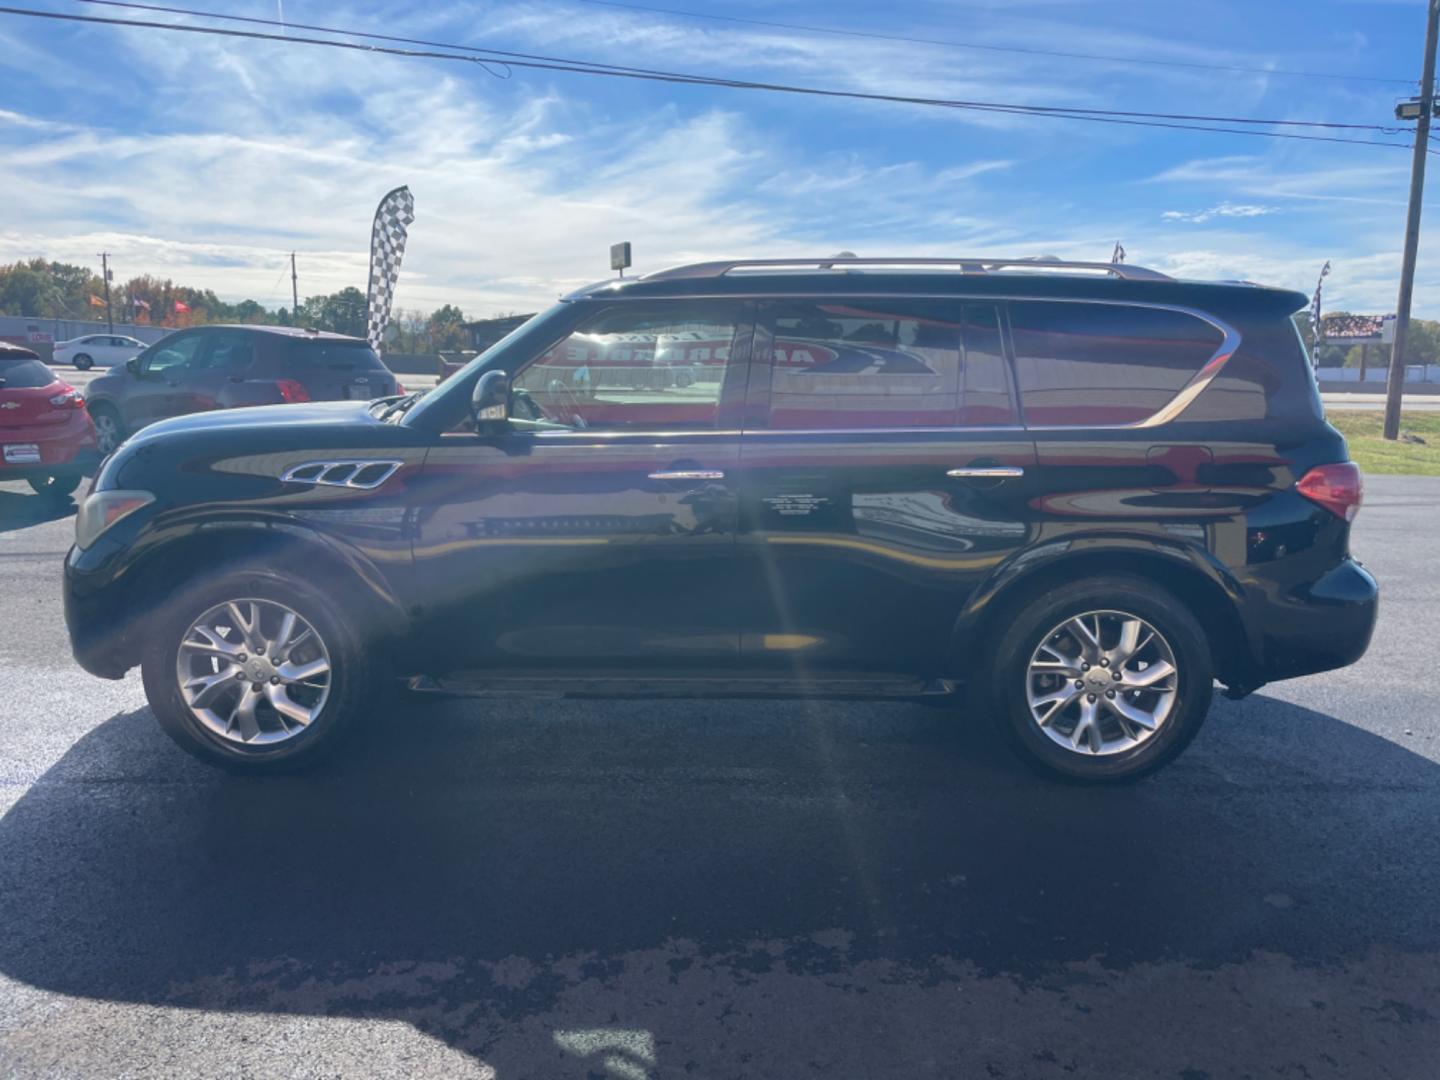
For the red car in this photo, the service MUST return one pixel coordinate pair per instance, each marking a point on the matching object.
(46, 436)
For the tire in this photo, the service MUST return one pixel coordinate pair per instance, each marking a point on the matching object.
(58, 487)
(274, 745)
(109, 430)
(1112, 747)
(83, 363)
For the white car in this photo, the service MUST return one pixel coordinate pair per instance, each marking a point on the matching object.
(107, 350)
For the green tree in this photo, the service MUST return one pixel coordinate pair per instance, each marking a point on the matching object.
(343, 312)
(446, 327)
(24, 291)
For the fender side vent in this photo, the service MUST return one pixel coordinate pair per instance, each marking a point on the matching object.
(362, 474)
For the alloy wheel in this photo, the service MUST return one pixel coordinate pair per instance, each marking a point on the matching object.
(107, 432)
(253, 672)
(1102, 682)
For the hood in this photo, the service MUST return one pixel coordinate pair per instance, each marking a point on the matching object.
(261, 418)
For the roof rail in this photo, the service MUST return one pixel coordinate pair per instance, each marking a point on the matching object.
(967, 266)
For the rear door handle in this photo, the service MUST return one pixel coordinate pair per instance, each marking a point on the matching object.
(981, 472)
(688, 474)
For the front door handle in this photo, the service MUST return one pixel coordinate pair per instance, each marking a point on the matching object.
(688, 474)
(986, 472)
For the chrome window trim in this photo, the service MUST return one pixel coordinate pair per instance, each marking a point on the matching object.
(1207, 374)
(735, 434)
(999, 428)
(1229, 344)
(588, 433)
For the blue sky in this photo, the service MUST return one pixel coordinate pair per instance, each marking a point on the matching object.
(209, 159)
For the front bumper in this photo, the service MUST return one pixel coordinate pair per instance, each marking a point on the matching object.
(105, 642)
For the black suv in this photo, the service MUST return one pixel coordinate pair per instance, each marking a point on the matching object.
(1079, 493)
(225, 367)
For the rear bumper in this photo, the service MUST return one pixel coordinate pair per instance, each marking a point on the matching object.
(82, 464)
(68, 451)
(1319, 626)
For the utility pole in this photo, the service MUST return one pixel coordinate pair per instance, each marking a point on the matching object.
(294, 293)
(1395, 387)
(105, 273)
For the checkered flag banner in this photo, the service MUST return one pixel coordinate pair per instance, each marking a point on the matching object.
(1315, 324)
(387, 247)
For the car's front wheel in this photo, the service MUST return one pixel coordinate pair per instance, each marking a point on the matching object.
(83, 362)
(256, 672)
(1102, 680)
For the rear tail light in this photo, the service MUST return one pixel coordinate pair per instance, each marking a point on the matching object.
(1337, 487)
(400, 387)
(70, 399)
(292, 391)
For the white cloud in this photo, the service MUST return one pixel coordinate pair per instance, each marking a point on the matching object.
(522, 185)
(1224, 210)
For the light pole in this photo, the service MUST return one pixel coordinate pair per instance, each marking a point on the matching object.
(1395, 386)
(105, 274)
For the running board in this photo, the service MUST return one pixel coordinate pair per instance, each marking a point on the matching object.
(730, 685)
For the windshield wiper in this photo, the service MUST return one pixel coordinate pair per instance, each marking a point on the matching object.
(398, 406)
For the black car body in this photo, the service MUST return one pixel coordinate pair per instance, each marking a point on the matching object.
(228, 367)
(852, 480)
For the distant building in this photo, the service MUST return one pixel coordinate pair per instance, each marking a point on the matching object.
(485, 332)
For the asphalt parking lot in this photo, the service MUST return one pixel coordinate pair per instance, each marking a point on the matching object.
(724, 889)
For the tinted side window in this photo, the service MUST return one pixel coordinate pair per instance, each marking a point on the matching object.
(864, 364)
(1104, 363)
(985, 394)
(230, 350)
(642, 368)
(171, 353)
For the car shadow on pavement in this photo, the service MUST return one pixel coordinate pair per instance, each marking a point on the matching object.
(22, 509)
(467, 866)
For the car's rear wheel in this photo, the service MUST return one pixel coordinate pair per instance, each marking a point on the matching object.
(83, 362)
(109, 431)
(55, 486)
(1103, 680)
(256, 672)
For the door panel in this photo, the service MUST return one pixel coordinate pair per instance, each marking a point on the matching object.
(599, 529)
(862, 550)
(212, 379)
(858, 547)
(540, 549)
(151, 395)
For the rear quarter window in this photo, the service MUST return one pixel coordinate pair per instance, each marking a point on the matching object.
(24, 374)
(1104, 364)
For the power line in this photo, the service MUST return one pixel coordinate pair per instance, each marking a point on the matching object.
(581, 67)
(723, 81)
(943, 43)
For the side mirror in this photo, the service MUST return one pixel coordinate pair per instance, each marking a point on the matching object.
(133, 365)
(490, 402)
